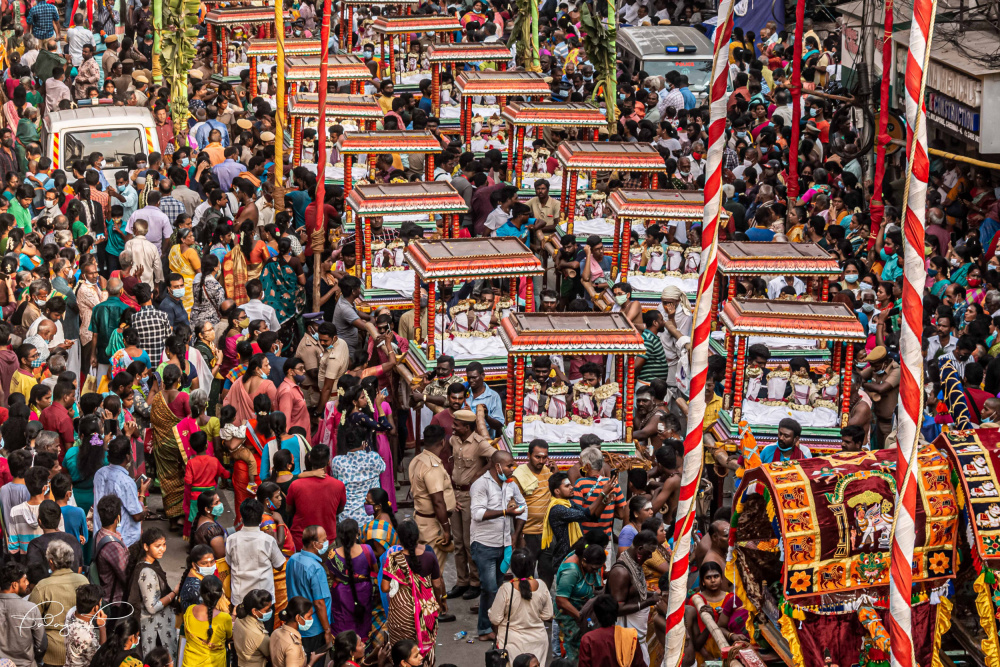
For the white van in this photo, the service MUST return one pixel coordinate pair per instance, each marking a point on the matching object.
(659, 49)
(116, 132)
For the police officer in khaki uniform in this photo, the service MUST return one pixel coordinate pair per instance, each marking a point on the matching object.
(471, 452)
(310, 352)
(433, 495)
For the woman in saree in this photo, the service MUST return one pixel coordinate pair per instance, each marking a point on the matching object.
(246, 467)
(27, 128)
(184, 260)
(284, 290)
(352, 570)
(655, 567)
(418, 599)
(273, 523)
(168, 409)
(129, 351)
(236, 322)
(236, 271)
(380, 534)
(713, 591)
(578, 579)
(251, 384)
(209, 532)
(326, 433)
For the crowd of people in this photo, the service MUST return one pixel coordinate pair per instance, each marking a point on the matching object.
(160, 334)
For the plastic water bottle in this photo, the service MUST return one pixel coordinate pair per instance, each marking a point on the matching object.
(460, 635)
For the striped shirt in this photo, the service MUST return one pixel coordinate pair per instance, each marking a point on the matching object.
(23, 527)
(655, 366)
(585, 491)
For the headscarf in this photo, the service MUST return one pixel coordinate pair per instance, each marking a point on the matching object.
(673, 292)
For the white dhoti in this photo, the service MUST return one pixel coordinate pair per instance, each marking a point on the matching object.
(639, 620)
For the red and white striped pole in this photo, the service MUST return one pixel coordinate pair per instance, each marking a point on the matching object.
(911, 384)
(693, 447)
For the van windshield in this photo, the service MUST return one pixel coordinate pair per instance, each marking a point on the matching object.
(698, 71)
(115, 145)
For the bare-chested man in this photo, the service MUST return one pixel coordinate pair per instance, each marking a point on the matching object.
(627, 584)
(714, 546)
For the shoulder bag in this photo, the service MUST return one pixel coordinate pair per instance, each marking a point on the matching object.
(498, 657)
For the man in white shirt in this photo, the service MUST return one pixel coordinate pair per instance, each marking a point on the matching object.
(145, 255)
(77, 37)
(775, 286)
(252, 554)
(493, 502)
(256, 309)
(945, 341)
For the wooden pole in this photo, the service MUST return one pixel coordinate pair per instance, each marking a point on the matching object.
(709, 620)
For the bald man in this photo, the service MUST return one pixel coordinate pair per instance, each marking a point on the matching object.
(493, 501)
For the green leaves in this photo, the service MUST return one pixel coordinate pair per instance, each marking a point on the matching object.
(600, 41)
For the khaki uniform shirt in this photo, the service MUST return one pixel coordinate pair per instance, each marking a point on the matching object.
(549, 211)
(468, 457)
(253, 646)
(286, 648)
(428, 476)
(310, 352)
(334, 363)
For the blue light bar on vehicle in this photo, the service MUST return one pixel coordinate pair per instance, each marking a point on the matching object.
(681, 48)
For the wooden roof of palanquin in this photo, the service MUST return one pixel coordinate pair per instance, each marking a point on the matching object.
(570, 333)
(397, 25)
(268, 46)
(793, 319)
(337, 106)
(230, 16)
(406, 141)
(622, 155)
(464, 259)
(659, 204)
(399, 198)
(573, 114)
(787, 259)
(339, 68)
(468, 52)
(502, 83)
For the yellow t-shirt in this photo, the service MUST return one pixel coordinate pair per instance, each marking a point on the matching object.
(22, 384)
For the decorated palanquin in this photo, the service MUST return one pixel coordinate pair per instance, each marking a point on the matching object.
(353, 144)
(225, 24)
(347, 15)
(806, 262)
(393, 28)
(465, 331)
(462, 53)
(810, 551)
(528, 119)
(763, 401)
(266, 48)
(561, 414)
(975, 457)
(353, 112)
(472, 84)
(306, 70)
(604, 156)
(382, 267)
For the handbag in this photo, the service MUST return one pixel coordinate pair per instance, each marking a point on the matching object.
(498, 657)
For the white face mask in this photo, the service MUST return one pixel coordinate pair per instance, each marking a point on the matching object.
(50, 203)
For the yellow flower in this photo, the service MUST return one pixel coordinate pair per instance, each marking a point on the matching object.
(800, 582)
(939, 563)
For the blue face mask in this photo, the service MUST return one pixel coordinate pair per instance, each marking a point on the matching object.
(306, 624)
(315, 336)
(323, 548)
(268, 615)
(185, 161)
(812, 112)
(206, 571)
(217, 510)
(501, 476)
(178, 293)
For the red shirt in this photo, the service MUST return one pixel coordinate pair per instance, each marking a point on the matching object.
(310, 216)
(56, 418)
(315, 501)
(203, 471)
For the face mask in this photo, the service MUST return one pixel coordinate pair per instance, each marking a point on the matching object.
(812, 112)
(39, 302)
(501, 476)
(741, 135)
(866, 287)
(267, 615)
(299, 379)
(620, 299)
(974, 282)
(217, 510)
(423, 301)
(206, 571)
(315, 336)
(369, 509)
(185, 161)
(932, 273)
(955, 262)
(50, 203)
(245, 322)
(851, 278)
(306, 624)
(323, 548)
(868, 307)
(178, 293)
